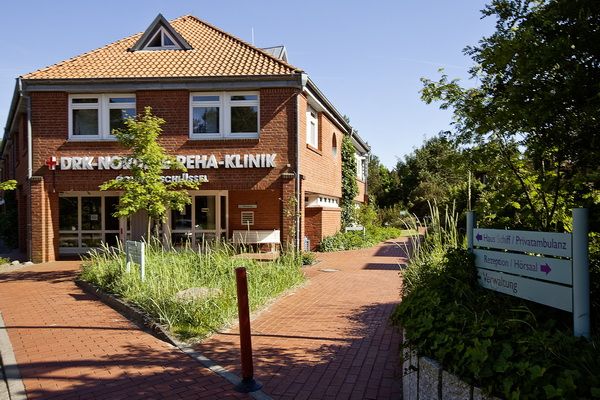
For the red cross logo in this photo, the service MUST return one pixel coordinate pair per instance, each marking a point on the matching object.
(51, 163)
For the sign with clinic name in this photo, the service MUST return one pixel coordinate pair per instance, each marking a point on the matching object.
(549, 243)
(544, 268)
(552, 295)
(206, 161)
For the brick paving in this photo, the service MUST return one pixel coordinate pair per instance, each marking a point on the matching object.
(69, 345)
(329, 339)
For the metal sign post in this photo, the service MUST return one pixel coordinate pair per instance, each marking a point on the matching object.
(581, 274)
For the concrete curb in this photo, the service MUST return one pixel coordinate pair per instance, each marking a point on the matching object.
(143, 320)
(129, 311)
(11, 375)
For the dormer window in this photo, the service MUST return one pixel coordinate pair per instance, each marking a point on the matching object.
(160, 35)
(162, 41)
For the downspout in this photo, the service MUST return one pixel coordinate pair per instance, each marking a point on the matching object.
(303, 82)
(368, 158)
(29, 170)
(297, 183)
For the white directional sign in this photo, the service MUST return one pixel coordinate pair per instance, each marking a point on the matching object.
(545, 268)
(552, 295)
(549, 243)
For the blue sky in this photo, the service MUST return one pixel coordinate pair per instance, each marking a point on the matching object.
(367, 57)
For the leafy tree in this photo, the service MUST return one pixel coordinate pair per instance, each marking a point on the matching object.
(382, 184)
(539, 77)
(435, 172)
(144, 190)
(8, 185)
(349, 185)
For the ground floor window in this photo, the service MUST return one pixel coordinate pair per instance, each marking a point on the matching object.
(205, 219)
(87, 221)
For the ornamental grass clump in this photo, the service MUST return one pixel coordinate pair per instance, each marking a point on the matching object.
(208, 272)
(427, 255)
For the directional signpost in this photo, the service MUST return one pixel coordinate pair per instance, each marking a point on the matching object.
(544, 267)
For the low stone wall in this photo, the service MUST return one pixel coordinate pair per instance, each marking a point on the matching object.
(424, 379)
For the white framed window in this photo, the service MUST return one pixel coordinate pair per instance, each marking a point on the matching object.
(312, 127)
(94, 116)
(217, 115)
(360, 166)
(161, 40)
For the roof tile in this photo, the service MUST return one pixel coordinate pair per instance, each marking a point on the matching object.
(214, 53)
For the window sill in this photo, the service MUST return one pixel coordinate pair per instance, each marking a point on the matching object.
(96, 139)
(314, 149)
(223, 138)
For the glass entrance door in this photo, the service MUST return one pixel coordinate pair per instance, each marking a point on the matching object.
(204, 220)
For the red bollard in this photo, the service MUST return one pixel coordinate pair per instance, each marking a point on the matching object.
(248, 384)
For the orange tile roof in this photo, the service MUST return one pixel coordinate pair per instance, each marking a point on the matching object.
(214, 53)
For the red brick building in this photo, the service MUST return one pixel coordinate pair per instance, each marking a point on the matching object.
(255, 130)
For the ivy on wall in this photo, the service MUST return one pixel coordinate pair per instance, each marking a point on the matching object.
(349, 185)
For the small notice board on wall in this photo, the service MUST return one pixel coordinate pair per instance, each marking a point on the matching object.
(544, 267)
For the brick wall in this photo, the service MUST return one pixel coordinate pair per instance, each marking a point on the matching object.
(331, 221)
(266, 214)
(265, 186)
(321, 167)
(312, 226)
(361, 195)
(320, 223)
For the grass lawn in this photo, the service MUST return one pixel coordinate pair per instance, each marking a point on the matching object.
(170, 272)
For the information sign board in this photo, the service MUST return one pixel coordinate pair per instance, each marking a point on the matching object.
(549, 243)
(134, 252)
(544, 268)
(552, 295)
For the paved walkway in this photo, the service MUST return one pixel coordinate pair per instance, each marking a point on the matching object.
(69, 345)
(328, 340)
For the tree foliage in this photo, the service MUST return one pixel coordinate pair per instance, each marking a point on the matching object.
(8, 185)
(144, 190)
(349, 185)
(537, 102)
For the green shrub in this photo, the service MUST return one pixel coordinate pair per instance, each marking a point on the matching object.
(357, 240)
(509, 347)
(169, 272)
(308, 258)
(395, 216)
(4, 260)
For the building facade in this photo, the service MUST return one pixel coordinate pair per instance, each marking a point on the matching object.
(256, 133)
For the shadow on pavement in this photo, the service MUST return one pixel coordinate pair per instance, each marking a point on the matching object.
(361, 362)
(138, 372)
